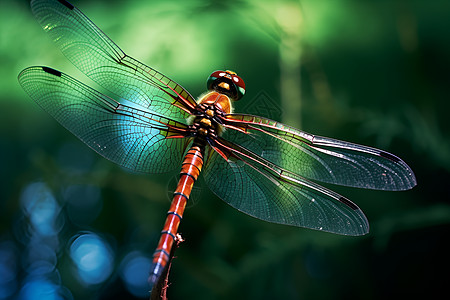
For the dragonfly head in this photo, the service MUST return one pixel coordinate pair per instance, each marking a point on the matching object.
(228, 83)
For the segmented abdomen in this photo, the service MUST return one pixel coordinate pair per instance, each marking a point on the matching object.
(190, 169)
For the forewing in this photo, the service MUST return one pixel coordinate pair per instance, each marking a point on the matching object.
(258, 188)
(96, 55)
(319, 158)
(134, 138)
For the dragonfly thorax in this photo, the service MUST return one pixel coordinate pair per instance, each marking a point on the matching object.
(210, 107)
(205, 126)
(214, 103)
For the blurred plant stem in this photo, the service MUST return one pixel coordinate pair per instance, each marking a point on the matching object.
(289, 18)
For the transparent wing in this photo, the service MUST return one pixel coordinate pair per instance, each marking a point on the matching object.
(131, 137)
(90, 50)
(263, 190)
(319, 158)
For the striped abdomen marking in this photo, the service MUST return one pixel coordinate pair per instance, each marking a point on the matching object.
(190, 169)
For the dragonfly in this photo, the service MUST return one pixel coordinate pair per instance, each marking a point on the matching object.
(151, 124)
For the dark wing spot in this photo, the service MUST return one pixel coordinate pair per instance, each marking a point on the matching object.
(66, 4)
(389, 156)
(51, 71)
(348, 203)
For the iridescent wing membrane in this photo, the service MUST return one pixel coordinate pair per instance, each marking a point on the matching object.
(134, 138)
(320, 158)
(262, 174)
(90, 50)
(261, 189)
(259, 166)
(140, 136)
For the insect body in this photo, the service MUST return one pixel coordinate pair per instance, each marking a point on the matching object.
(259, 166)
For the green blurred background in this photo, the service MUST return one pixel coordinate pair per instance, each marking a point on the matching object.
(370, 72)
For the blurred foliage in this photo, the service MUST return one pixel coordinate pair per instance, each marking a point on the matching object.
(370, 72)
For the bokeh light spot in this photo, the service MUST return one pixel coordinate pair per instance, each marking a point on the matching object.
(8, 269)
(93, 258)
(134, 271)
(41, 208)
(39, 289)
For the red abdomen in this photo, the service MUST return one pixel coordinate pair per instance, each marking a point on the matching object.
(190, 169)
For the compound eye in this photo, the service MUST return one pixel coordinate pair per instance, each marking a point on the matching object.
(217, 74)
(238, 81)
(228, 82)
(240, 86)
(213, 77)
